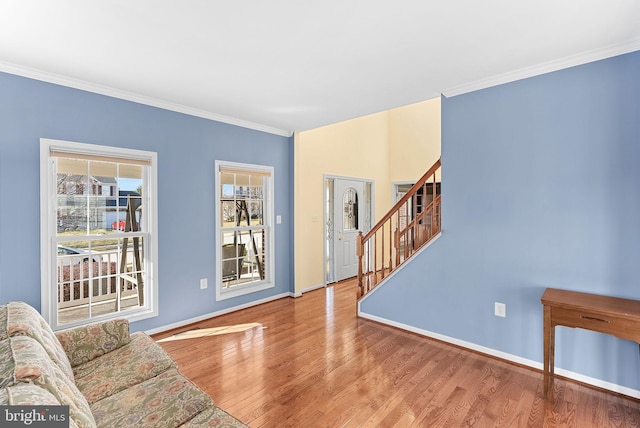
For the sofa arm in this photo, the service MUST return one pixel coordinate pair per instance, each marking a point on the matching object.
(82, 344)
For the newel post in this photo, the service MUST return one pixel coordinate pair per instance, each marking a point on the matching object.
(359, 253)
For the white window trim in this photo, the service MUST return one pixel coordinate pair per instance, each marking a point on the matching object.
(268, 217)
(48, 229)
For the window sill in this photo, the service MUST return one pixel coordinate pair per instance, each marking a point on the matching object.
(242, 290)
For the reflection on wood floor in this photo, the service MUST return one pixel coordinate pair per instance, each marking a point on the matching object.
(310, 362)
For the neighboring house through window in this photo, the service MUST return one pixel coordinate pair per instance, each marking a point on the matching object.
(98, 233)
(244, 230)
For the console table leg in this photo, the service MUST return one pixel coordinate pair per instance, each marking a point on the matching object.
(548, 363)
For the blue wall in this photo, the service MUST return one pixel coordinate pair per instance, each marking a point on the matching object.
(541, 188)
(187, 147)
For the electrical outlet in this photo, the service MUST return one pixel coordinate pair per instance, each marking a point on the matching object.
(501, 309)
(203, 283)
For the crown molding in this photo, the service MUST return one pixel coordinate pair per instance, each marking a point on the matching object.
(131, 96)
(546, 67)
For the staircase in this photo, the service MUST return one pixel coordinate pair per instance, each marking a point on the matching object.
(412, 222)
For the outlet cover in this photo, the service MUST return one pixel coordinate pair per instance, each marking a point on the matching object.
(203, 283)
(500, 309)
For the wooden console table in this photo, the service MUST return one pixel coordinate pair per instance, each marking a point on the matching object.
(611, 315)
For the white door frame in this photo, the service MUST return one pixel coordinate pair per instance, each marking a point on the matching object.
(328, 261)
(394, 189)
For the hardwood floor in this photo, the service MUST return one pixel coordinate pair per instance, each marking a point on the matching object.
(310, 362)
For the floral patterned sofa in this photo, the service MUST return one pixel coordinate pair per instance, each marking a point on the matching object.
(107, 377)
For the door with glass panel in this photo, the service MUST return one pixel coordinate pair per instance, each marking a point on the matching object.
(349, 217)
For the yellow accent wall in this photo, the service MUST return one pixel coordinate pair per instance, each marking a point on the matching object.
(414, 139)
(396, 145)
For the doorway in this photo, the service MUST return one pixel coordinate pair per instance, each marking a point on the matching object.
(348, 209)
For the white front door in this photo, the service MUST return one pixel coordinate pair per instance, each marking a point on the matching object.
(349, 214)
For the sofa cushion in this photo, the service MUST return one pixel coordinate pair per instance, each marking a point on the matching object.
(85, 343)
(23, 320)
(3, 322)
(128, 365)
(27, 394)
(6, 364)
(167, 400)
(213, 417)
(26, 361)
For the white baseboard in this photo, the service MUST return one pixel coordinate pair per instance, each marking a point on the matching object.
(505, 356)
(306, 290)
(217, 313)
(229, 310)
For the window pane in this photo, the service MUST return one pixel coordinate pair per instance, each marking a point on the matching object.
(242, 213)
(254, 241)
(129, 218)
(131, 268)
(99, 276)
(66, 214)
(102, 174)
(255, 191)
(228, 213)
(228, 237)
(72, 188)
(257, 214)
(71, 166)
(233, 253)
(242, 257)
(242, 186)
(245, 239)
(94, 196)
(226, 185)
(97, 214)
(350, 208)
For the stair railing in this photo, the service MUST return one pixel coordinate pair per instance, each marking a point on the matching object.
(412, 222)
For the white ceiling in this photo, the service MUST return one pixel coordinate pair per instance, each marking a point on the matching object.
(294, 65)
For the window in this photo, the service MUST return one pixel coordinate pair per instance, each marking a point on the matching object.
(244, 232)
(350, 209)
(98, 233)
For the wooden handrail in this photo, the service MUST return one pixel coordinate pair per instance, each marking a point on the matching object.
(389, 244)
(410, 193)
